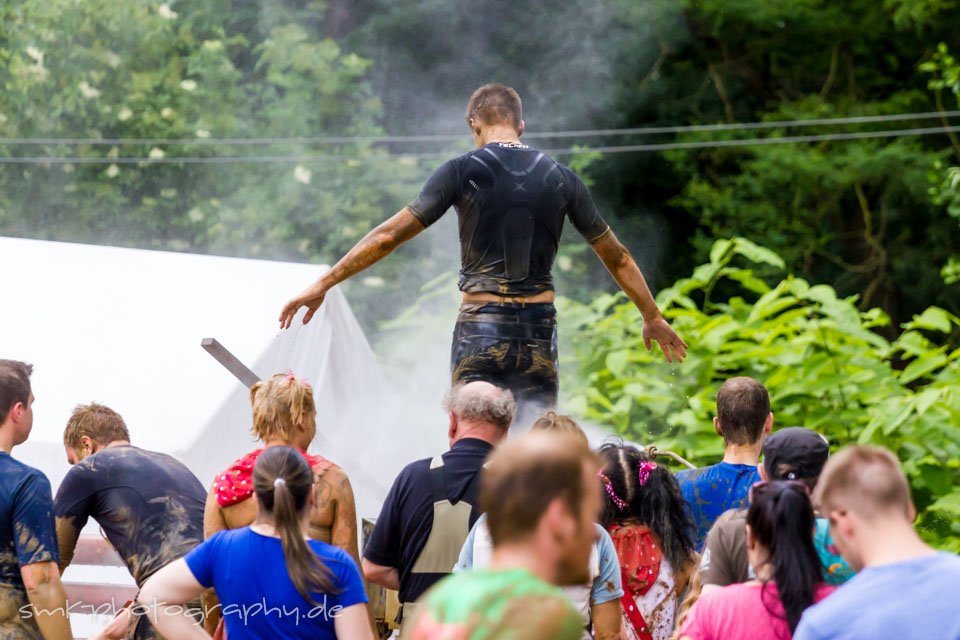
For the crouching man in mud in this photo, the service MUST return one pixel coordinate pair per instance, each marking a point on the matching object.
(33, 605)
(148, 504)
(511, 201)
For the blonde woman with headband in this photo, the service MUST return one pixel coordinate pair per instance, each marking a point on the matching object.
(271, 580)
(284, 414)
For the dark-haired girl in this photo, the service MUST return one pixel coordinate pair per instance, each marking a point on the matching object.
(648, 522)
(272, 582)
(780, 525)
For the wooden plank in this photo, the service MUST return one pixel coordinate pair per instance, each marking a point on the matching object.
(230, 362)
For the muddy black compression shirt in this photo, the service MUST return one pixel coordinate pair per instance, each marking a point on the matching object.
(149, 505)
(511, 201)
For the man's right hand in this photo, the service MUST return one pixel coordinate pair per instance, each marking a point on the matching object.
(312, 298)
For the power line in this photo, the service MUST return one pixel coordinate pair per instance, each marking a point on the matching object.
(662, 146)
(314, 140)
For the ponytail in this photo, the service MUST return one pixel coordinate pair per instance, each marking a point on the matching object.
(781, 520)
(282, 481)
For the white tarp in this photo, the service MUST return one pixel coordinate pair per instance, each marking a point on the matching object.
(123, 327)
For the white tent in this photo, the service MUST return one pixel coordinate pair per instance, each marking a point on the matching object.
(123, 327)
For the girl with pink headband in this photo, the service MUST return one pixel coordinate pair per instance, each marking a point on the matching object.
(650, 527)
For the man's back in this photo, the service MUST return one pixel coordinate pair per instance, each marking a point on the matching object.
(914, 598)
(26, 537)
(709, 491)
(511, 201)
(149, 505)
(406, 519)
(485, 604)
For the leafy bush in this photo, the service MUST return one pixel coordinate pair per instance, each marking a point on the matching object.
(824, 362)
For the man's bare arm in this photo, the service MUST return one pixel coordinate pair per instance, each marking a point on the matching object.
(621, 265)
(372, 248)
(386, 577)
(49, 600)
(67, 537)
(606, 620)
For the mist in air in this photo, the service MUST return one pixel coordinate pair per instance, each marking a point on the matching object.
(178, 77)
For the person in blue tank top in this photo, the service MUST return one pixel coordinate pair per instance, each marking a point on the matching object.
(743, 420)
(272, 582)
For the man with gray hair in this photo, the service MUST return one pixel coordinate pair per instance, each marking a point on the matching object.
(431, 506)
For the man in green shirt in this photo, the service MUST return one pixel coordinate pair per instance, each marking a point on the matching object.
(541, 495)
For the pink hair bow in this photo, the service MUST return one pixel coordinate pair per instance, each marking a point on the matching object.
(643, 473)
(292, 377)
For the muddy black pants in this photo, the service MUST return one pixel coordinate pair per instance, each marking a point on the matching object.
(511, 345)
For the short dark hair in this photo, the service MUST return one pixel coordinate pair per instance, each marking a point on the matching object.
(525, 474)
(743, 405)
(14, 385)
(96, 421)
(495, 104)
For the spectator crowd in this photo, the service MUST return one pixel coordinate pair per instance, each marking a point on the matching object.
(515, 532)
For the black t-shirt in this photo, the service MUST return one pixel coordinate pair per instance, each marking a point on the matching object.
(406, 518)
(149, 505)
(511, 201)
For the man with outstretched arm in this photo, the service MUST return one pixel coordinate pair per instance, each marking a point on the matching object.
(33, 604)
(511, 201)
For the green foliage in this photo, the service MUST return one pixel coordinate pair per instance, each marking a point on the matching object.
(820, 357)
(853, 214)
(945, 191)
(193, 71)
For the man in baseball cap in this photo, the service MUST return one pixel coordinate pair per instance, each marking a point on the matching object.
(793, 454)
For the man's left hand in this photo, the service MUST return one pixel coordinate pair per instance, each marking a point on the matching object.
(673, 347)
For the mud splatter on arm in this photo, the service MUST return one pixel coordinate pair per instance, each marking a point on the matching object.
(376, 245)
(606, 620)
(343, 529)
(48, 599)
(67, 536)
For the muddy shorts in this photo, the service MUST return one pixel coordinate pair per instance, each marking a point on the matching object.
(510, 345)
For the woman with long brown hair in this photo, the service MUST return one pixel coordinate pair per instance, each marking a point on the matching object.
(271, 580)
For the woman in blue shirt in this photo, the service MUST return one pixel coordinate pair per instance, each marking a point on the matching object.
(272, 582)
